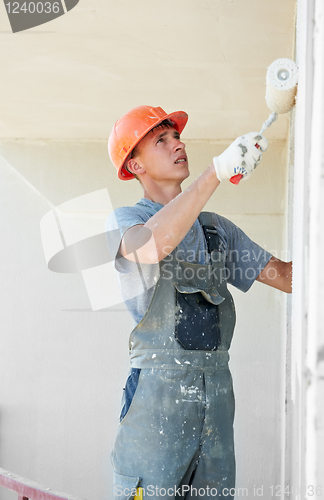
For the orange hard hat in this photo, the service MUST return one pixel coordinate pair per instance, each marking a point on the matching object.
(132, 127)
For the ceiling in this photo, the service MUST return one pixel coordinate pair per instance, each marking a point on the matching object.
(73, 77)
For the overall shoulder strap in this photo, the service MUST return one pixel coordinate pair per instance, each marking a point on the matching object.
(210, 232)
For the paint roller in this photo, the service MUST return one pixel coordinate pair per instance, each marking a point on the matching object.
(281, 89)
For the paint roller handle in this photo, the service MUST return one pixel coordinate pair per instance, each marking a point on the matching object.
(236, 178)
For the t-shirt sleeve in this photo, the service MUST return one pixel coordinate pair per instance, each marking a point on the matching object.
(117, 223)
(245, 259)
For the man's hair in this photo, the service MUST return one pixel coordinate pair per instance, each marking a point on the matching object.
(165, 124)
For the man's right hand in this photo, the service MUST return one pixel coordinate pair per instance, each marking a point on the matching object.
(241, 157)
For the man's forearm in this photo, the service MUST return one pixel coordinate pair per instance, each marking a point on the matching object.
(169, 226)
(277, 274)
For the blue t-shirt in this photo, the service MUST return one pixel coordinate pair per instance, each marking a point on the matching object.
(244, 259)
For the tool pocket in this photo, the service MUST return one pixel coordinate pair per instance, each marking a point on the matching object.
(196, 322)
(129, 391)
(126, 487)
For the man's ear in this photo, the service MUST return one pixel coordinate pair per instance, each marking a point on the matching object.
(134, 167)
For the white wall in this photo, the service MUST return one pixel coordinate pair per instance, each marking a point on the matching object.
(63, 366)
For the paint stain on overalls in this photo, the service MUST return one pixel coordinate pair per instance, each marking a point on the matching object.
(178, 408)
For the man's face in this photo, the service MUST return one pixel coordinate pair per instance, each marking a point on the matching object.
(163, 155)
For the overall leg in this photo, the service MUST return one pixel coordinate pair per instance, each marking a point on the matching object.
(215, 472)
(158, 438)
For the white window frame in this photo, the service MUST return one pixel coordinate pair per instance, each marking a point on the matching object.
(304, 437)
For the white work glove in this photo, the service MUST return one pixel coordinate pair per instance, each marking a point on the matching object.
(241, 157)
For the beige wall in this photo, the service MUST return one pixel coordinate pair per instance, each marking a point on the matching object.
(75, 76)
(64, 365)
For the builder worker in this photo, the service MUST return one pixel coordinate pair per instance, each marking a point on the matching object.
(175, 437)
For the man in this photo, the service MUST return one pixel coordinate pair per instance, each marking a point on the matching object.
(175, 438)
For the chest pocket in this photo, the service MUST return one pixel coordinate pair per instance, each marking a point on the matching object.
(196, 322)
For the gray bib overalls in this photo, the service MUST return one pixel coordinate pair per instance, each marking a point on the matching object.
(175, 438)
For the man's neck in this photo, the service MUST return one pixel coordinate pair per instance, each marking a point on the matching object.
(162, 194)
